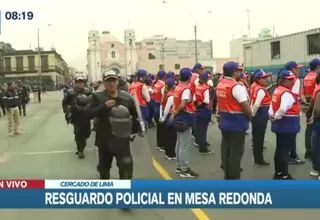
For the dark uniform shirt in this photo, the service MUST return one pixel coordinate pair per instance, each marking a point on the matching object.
(97, 109)
(11, 98)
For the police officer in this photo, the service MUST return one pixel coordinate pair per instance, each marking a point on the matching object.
(117, 120)
(78, 96)
(203, 102)
(234, 114)
(183, 120)
(260, 103)
(285, 116)
(12, 102)
(24, 96)
(309, 84)
(157, 97)
(140, 90)
(315, 121)
(123, 83)
(296, 89)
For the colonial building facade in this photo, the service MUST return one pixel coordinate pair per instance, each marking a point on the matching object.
(158, 52)
(24, 65)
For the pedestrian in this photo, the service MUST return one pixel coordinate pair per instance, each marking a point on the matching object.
(260, 104)
(315, 122)
(12, 102)
(285, 117)
(233, 114)
(296, 90)
(78, 96)
(309, 85)
(168, 133)
(203, 103)
(183, 120)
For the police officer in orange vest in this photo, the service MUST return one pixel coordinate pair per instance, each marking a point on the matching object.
(285, 116)
(194, 81)
(168, 134)
(140, 90)
(315, 122)
(309, 84)
(296, 89)
(260, 103)
(158, 91)
(183, 120)
(203, 104)
(234, 114)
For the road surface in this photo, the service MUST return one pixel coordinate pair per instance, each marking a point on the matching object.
(46, 151)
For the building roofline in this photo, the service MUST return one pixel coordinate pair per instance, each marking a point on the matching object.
(281, 37)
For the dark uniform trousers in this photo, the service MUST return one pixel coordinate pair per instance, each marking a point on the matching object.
(232, 148)
(259, 126)
(308, 132)
(120, 149)
(284, 143)
(82, 131)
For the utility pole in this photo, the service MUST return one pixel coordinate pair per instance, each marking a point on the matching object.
(195, 43)
(162, 52)
(248, 15)
(131, 63)
(39, 53)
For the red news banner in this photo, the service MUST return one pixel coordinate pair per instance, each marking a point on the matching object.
(22, 184)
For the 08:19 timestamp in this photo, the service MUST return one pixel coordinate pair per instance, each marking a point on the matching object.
(15, 15)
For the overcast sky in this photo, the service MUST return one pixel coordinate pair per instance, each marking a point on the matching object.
(72, 19)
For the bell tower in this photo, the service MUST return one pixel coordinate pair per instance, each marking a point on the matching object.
(93, 56)
(131, 51)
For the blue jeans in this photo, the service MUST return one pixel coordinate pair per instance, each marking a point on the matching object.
(183, 144)
(315, 151)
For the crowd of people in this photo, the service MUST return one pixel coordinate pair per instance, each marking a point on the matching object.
(14, 98)
(181, 106)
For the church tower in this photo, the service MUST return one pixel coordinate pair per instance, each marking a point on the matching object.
(131, 51)
(93, 56)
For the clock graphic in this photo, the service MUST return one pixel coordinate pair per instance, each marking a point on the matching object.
(16, 15)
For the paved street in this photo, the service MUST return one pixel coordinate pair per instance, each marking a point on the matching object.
(46, 151)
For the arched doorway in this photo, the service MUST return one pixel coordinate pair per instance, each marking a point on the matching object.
(116, 70)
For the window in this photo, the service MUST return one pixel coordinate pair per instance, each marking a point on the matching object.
(7, 64)
(113, 54)
(161, 67)
(275, 50)
(112, 45)
(149, 43)
(19, 63)
(130, 42)
(151, 56)
(313, 44)
(31, 63)
(177, 66)
(44, 62)
(1, 64)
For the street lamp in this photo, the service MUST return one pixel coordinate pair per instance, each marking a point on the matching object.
(162, 52)
(195, 29)
(39, 52)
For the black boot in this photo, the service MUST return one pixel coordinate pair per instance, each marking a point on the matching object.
(104, 175)
(80, 154)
